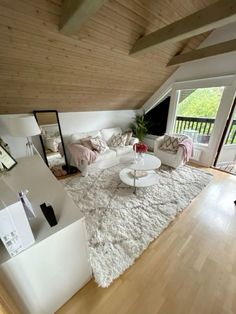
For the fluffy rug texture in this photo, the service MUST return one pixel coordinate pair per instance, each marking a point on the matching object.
(121, 225)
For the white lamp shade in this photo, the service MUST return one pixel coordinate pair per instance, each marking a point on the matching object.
(23, 126)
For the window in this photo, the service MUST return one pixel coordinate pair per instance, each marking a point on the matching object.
(231, 137)
(196, 112)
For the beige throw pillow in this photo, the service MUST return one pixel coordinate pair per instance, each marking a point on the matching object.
(128, 137)
(99, 144)
(118, 140)
(171, 143)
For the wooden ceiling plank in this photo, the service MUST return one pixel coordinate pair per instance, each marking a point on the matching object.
(40, 56)
(210, 51)
(43, 69)
(17, 83)
(137, 20)
(216, 15)
(76, 12)
(54, 39)
(95, 68)
(32, 10)
(114, 20)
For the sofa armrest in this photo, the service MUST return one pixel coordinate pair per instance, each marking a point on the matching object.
(133, 140)
(180, 153)
(157, 143)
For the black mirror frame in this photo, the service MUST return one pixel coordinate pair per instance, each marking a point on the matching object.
(41, 139)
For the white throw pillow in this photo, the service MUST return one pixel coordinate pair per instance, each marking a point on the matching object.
(118, 140)
(107, 133)
(99, 144)
(128, 137)
(76, 137)
(52, 144)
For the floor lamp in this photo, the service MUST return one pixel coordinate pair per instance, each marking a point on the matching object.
(25, 126)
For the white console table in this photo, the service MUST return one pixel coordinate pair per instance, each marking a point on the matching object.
(43, 277)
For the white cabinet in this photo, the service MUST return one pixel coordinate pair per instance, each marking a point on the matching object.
(43, 277)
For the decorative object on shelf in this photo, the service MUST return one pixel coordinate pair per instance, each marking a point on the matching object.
(5, 145)
(7, 162)
(25, 126)
(140, 127)
(26, 204)
(49, 214)
(15, 231)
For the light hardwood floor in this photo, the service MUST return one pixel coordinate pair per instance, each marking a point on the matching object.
(190, 268)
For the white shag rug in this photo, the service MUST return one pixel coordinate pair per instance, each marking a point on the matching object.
(121, 225)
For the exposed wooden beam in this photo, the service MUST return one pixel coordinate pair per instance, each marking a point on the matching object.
(217, 49)
(216, 15)
(76, 12)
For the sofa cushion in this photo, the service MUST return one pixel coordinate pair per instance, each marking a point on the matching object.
(106, 155)
(122, 150)
(133, 141)
(171, 159)
(107, 133)
(166, 156)
(76, 137)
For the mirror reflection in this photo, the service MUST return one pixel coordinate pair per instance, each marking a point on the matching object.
(51, 138)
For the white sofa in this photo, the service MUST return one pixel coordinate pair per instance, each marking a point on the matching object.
(172, 159)
(108, 155)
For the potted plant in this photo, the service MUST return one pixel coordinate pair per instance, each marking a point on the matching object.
(140, 127)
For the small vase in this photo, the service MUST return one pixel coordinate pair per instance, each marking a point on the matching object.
(139, 156)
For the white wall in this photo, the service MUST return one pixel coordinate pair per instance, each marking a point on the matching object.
(72, 122)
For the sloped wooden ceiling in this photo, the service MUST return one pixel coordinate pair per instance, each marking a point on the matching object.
(40, 68)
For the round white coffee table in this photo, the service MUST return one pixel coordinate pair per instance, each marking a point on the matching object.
(140, 173)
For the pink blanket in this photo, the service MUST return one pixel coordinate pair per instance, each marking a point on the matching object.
(187, 145)
(82, 154)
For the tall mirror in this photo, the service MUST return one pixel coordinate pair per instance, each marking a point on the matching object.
(51, 140)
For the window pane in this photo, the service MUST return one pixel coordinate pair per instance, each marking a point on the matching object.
(231, 137)
(196, 112)
(227, 157)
